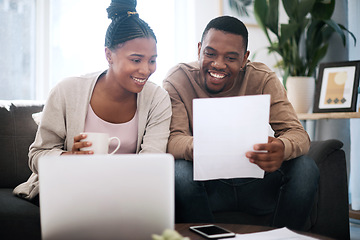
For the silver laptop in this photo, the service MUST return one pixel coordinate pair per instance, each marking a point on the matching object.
(106, 196)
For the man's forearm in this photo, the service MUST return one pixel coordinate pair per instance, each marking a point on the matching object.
(181, 147)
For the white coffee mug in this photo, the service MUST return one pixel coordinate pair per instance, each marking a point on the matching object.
(100, 142)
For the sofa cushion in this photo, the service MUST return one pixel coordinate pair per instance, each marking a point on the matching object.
(37, 117)
(19, 219)
(16, 134)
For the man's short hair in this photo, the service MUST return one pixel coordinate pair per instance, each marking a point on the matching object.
(228, 24)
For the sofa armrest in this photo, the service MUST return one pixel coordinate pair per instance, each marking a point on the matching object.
(332, 215)
(320, 150)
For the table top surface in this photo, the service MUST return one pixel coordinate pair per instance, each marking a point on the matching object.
(183, 229)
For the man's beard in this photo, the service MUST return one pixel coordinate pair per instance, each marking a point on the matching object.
(213, 91)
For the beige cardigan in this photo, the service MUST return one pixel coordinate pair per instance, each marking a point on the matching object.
(64, 117)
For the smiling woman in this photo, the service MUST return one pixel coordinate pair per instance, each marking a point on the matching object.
(118, 101)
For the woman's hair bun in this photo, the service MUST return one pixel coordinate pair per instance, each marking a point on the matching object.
(119, 8)
(125, 24)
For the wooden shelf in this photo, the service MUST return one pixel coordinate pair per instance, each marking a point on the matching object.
(332, 115)
(354, 214)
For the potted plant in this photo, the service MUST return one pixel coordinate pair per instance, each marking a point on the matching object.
(301, 42)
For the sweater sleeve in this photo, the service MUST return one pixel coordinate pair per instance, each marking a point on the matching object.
(180, 143)
(284, 121)
(50, 136)
(155, 131)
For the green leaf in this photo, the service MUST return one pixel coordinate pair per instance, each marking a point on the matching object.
(298, 9)
(318, 54)
(260, 12)
(337, 29)
(323, 9)
(286, 75)
(290, 8)
(352, 35)
(287, 32)
(304, 8)
(315, 36)
(273, 16)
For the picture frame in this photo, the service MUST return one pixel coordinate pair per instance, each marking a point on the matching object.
(242, 9)
(337, 87)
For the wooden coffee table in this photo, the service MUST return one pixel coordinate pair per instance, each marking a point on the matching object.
(183, 229)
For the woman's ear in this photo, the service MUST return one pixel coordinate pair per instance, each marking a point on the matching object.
(108, 55)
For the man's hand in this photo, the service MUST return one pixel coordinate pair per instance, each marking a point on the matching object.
(271, 157)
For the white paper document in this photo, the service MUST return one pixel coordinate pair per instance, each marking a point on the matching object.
(224, 130)
(277, 234)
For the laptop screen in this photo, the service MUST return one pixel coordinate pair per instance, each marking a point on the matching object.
(122, 196)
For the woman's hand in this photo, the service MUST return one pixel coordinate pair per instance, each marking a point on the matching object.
(79, 144)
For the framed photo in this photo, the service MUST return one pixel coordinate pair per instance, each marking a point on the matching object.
(337, 87)
(242, 9)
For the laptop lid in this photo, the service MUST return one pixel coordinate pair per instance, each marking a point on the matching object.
(119, 196)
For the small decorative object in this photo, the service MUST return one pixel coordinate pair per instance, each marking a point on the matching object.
(169, 234)
(337, 87)
(300, 92)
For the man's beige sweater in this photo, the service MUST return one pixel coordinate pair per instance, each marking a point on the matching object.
(184, 83)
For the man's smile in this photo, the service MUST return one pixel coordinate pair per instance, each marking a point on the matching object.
(216, 76)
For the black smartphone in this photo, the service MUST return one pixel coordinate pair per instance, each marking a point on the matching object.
(212, 231)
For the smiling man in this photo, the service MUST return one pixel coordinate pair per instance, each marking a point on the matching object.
(223, 70)
(221, 56)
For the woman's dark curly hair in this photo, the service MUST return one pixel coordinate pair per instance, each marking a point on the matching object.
(125, 24)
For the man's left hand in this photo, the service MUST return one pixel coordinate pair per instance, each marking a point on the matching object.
(271, 155)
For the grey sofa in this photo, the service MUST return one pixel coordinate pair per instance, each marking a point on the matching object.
(20, 219)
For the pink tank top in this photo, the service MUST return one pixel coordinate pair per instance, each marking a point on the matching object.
(126, 132)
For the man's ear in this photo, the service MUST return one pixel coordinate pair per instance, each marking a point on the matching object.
(199, 50)
(246, 56)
